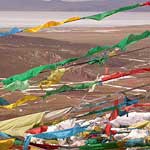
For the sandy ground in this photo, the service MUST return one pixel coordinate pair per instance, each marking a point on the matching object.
(24, 51)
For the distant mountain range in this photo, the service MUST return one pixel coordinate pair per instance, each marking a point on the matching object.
(66, 5)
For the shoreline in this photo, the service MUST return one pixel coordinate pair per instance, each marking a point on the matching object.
(81, 27)
(88, 35)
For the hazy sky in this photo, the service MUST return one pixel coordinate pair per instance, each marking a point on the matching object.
(76, 0)
(66, 5)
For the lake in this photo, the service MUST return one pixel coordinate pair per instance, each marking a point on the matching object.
(32, 18)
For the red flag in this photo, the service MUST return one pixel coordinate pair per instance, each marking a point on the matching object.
(115, 113)
(122, 74)
(127, 108)
(146, 3)
(108, 130)
(38, 130)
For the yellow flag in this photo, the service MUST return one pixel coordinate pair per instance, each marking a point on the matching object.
(21, 101)
(147, 139)
(6, 144)
(51, 24)
(113, 53)
(18, 126)
(43, 26)
(71, 19)
(54, 78)
(141, 124)
(34, 148)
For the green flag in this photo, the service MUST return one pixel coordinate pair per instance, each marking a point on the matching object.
(100, 146)
(35, 71)
(109, 13)
(66, 88)
(17, 85)
(130, 39)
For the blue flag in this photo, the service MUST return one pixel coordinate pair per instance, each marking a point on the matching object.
(12, 31)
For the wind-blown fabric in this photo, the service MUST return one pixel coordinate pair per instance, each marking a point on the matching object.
(93, 104)
(6, 144)
(131, 39)
(108, 130)
(122, 45)
(8, 141)
(21, 101)
(17, 85)
(82, 86)
(113, 116)
(45, 146)
(12, 31)
(137, 142)
(136, 105)
(146, 3)
(127, 102)
(61, 134)
(96, 49)
(57, 113)
(18, 126)
(96, 17)
(90, 105)
(4, 135)
(115, 113)
(53, 78)
(3, 102)
(101, 146)
(35, 71)
(38, 130)
(122, 74)
(49, 117)
(141, 124)
(51, 24)
(101, 16)
(118, 144)
(66, 88)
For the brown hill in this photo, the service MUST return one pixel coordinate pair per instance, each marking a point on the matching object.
(21, 52)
